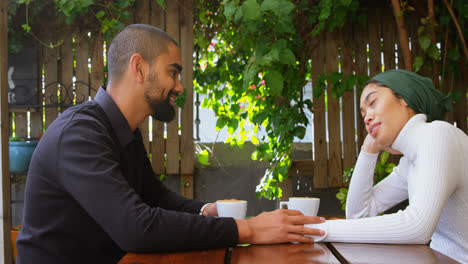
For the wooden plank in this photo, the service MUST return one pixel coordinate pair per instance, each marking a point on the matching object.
(97, 62)
(6, 187)
(158, 16)
(302, 168)
(385, 253)
(187, 147)
(158, 143)
(413, 23)
(142, 12)
(21, 124)
(66, 58)
(317, 253)
(51, 85)
(158, 148)
(389, 32)
(459, 109)
(204, 256)
(360, 51)
(144, 128)
(186, 43)
(36, 116)
(374, 27)
(142, 16)
(81, 70)
(172, 129)
(347, 102)
(320, 140)
(335, 166)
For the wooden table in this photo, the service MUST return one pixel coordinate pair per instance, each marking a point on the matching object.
(333, 253)
(384, 253)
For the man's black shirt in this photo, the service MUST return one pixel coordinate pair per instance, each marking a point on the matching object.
(91, 195)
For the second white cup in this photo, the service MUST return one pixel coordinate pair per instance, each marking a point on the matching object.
(308, 206)
(232, 208)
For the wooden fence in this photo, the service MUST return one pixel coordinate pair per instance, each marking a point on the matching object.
(362, 49)
(65, 83)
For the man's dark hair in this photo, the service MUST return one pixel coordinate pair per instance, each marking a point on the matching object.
(148, 41)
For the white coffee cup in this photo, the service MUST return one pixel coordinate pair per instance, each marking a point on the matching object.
(232, 208)
(306, 205)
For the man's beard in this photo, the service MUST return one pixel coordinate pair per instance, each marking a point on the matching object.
(162, 109)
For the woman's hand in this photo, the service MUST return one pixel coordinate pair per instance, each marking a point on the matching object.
(370, 145)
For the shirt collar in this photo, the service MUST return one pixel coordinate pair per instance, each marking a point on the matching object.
(115, 116)
(405, 140)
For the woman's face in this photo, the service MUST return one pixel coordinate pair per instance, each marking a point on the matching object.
(384, 113)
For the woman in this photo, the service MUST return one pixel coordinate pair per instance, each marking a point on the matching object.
(401, 111)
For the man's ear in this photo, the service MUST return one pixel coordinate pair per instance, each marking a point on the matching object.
(138, 67)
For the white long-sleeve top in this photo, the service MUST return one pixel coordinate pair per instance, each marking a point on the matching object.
(432, 174)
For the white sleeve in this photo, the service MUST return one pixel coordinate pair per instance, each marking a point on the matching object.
(363, 199)
(433, 178)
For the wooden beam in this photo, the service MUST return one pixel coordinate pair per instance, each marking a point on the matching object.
(5, 130)
(302, 167)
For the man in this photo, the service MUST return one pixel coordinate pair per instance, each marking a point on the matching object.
(91, 194)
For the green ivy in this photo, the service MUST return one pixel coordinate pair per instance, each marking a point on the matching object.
(251, 65)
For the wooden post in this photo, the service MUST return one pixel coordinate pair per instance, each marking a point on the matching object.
(186, 143)
(158, 144)
(320, 140)
(142, 16)
(6, 187)
(349, 132)
(335, 168)
(173, 150)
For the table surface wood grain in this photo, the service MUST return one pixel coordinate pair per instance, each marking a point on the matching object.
(283, 253)
(386, 253)
(205, 256)
(317, 253)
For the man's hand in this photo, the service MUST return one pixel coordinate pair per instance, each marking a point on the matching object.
(279, 226)
(210, 210)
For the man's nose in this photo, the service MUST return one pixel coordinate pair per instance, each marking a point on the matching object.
(179, 88)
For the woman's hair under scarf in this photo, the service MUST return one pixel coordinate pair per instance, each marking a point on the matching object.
(417, 91)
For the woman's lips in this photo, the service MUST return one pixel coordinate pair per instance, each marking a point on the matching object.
(373, 129)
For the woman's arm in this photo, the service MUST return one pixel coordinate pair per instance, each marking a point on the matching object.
(364, 200)
(433, 177)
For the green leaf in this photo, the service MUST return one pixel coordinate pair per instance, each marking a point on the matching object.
(26, 28)
(453, 55)
(180, 99)
(279, 7)
(287, 57)
(255, 140)
(274, 80)
(384, 157)
(203, 157)
(425, 41)
(346, 2)
(251, 10)
(100, 14)
(418, 63)
(434, 52)
(229, 10)
(221, 122)
(239, 15)
(161, 3)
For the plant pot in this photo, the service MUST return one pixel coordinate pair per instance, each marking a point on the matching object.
(20, 155)
(14, 233)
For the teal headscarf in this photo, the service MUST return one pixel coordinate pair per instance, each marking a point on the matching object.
(418, 92)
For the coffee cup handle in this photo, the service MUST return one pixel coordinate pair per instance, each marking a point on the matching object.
(282, 205)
